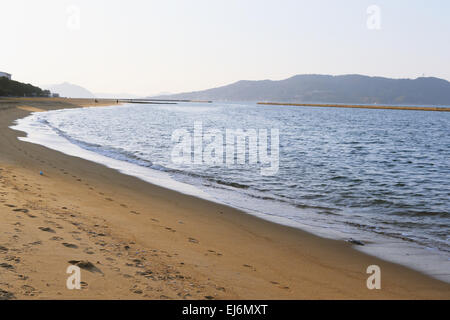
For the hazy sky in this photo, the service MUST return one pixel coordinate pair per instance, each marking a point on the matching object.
(146, 47)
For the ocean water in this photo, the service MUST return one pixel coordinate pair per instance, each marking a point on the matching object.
(379, 176)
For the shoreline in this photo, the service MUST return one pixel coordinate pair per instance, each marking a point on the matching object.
(223, 252)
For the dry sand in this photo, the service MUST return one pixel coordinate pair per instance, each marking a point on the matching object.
(147, 242)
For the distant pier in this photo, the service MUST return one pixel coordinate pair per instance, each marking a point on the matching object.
(445, 109)
(160, 101)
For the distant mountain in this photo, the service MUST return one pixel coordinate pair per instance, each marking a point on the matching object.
(69, 90)
(330, 89)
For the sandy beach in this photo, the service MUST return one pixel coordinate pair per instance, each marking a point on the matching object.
(148, 242)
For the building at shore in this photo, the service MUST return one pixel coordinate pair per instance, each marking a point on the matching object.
(5, 75)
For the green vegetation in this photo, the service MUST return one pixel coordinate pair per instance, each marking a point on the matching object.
(11, 88)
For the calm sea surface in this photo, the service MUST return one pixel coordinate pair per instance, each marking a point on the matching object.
(381, 176)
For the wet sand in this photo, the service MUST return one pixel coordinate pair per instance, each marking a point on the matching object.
(147, 242)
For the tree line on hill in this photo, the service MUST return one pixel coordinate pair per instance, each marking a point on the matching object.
(11, 88)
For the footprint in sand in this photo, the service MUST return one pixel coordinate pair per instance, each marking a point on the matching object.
(22, 277)
(216, 253)
(279, 285)
(88, 251)
(47, 229)
(57, 225)
(70, 245)
(86, 265)
(6, 295)
(146, 273)
(6, 266)
(249, 266)
(136, 291)
(28, 290)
